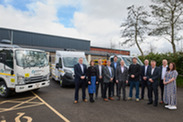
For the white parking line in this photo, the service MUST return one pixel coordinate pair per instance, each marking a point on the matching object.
(51, 108)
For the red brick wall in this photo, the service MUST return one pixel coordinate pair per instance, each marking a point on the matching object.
(110, 51)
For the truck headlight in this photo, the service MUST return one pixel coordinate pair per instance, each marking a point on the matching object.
(46, 77)
(20, 79)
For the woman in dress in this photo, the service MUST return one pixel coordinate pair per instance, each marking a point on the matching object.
(170, 90)
(92, 80)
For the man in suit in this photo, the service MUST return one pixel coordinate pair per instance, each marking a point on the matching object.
(80, 71)
(122, 79)
(153, 75)
(163, 70)
(114, 65)
(144, 79)
(134, 78)
(100, 75)
(108, 81)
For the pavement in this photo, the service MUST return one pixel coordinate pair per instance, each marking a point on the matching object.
(55, 104)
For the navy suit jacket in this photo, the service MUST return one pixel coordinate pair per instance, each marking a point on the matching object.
(78, 72)
(154, 76)
(143, 70)
(115, 69)
(161, 67)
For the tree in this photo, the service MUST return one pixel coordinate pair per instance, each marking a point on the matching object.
(168, 20)
(135, 27)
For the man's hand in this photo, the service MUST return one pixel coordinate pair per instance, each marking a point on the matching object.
(82, 77)
(100, 77)
(145, 78)
(111, 79)
(126, 81)
(132, 76)
(89, 82)
(96, 82)
(116, 81)
(151, 80)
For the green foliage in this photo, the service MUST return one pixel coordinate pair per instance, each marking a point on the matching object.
(177, 59)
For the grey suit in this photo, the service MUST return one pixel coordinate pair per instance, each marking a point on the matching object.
(122, 77)
(100, 81)
(107, 83)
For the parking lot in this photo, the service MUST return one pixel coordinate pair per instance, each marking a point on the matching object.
(56, 104)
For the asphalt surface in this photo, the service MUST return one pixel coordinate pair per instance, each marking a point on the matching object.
(56, 104)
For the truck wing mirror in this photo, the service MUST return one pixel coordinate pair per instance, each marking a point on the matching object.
(2, 58)
(57, 65)
(12, 72)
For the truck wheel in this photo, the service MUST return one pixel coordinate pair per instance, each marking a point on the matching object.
(4, 91)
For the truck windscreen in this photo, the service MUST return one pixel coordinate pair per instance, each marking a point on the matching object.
(71, 61)
(29, 58)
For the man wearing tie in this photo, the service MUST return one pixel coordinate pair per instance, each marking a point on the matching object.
(108, 81)
(163, 70)
(100, 75)
(144, 79)
(114, 65)
(80, 70)
(153, 75)
(122, 79)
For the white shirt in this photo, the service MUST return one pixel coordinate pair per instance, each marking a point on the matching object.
(145, 70)
(82, 69)
(122, 69)
(152, 71)
(100, 70)
(163, 72)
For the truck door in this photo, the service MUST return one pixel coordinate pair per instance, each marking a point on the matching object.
(7, 69)
(59, 68)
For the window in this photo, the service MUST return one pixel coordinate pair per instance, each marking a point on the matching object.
(9, 57)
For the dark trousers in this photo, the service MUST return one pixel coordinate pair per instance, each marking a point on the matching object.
(114, 85)
(78, 84)
(100, 83)
(162, 89)
(143, 85)
(153, 88)
(107, 86)
(122, 84)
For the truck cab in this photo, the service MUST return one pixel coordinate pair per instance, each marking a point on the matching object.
(63, 68)
(22, 70)
(126, 59)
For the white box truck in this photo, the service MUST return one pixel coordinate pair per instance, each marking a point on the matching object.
(22, 69)
(63, 68)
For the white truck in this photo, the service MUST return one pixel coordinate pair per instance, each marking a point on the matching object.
(22, 69)
(63, 68)
(127, 59)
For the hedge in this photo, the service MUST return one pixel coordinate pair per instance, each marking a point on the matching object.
(177, 59)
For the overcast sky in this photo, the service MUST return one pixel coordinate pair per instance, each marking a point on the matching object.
(95, 20)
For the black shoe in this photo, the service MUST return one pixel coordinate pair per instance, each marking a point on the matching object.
(124, 99)
(142, 98)
(149, 103)
(92, 101)
(155, 105)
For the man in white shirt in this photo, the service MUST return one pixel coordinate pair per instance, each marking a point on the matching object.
(163, 70)
(100, 74)
(144, 79)
(153, 75)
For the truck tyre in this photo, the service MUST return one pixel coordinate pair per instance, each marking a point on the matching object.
(4, 91)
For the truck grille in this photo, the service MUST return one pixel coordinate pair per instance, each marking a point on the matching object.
(35, 79)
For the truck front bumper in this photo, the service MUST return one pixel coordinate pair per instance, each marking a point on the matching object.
(29, 87)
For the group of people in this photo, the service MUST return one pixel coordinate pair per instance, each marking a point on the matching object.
(114, 77)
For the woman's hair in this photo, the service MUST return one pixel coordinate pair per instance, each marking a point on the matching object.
(91, 62)
(174, 66)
